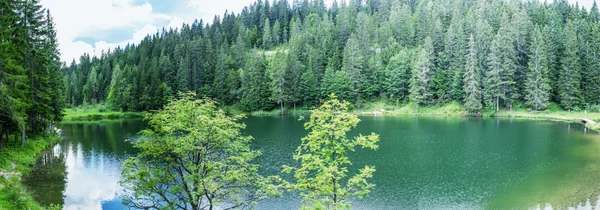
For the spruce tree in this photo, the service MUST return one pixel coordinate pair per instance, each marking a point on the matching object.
(493, 77)
(537, 86)
(267, 38)
(397, 76)
(570, 76)
(422, 75)
(472, 78)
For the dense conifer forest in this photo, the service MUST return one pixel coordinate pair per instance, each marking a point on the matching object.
(486, 54)
(31, 83)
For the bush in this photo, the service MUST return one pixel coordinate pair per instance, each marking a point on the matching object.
(594, 108)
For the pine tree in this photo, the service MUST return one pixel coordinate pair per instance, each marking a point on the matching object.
(456, 47)
(508, 62)
(397, 76)
(493, 78)
(277, 72)
(267, 39)
(593, 89)
(570, 76)
(537, 85)
(472, 78)
(354, 63)
(183, 76)
(115, 91)
(422, 75)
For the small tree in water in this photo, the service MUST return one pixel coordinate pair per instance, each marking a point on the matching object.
(322, 177)
(193, 156)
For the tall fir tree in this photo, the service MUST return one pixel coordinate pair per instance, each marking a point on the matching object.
(537, 86)
(569, 88)
(422, 75)
(472, 79)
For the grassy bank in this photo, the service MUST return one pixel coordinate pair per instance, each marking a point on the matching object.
(15, 162)
(453, 109)
(97, 113)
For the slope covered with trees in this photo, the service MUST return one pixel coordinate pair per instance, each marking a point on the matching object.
(31, 84)
(486, 54)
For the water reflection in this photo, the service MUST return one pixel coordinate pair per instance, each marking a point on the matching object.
(49, 178)
(88, 161)
(421, 163)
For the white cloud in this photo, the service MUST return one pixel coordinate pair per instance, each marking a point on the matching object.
(76, 18)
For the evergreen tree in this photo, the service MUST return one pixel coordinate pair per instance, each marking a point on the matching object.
(473, 92)
(267, 39)
(537, 86)
(397, 76)
(570, 76)
(493, 78)
(277, 73)
(354, 63)
(422, 75)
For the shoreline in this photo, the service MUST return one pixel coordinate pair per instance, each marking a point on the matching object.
(15, 163)
(96, 114)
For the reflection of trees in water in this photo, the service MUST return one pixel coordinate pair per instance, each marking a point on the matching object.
(48, 178)
(105, 137)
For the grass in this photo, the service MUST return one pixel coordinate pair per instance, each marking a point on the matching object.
(452, 109)
(97, 112)
(17, 161)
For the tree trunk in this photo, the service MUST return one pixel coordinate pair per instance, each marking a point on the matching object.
(497, 104)
(23, 136)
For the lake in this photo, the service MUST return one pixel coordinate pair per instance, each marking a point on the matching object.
(422, 163)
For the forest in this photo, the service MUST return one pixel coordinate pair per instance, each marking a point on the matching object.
(31, 82)
(486, 54)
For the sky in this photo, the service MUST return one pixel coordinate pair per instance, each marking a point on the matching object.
(93, 26)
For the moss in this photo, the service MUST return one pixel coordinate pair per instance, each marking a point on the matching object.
(17, 161)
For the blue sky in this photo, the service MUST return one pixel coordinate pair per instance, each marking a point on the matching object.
(91, 26)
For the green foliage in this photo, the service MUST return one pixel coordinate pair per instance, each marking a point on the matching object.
(422, 76)
(570, 76)
(13, 194)
(537, 86)
(473, 93)
(194, 156)
(31, 84)
(323, 179)
(397, 76)
(315, 43)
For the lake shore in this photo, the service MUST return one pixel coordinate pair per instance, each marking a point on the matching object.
(453, 109)
(16, 162)
(95, 113)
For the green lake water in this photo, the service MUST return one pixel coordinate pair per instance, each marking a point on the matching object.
(422, 163)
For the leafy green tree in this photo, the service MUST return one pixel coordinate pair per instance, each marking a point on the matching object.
(194, 156)
(322, 177)
(537, 85)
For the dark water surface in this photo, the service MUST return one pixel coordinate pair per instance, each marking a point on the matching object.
(422, 163)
